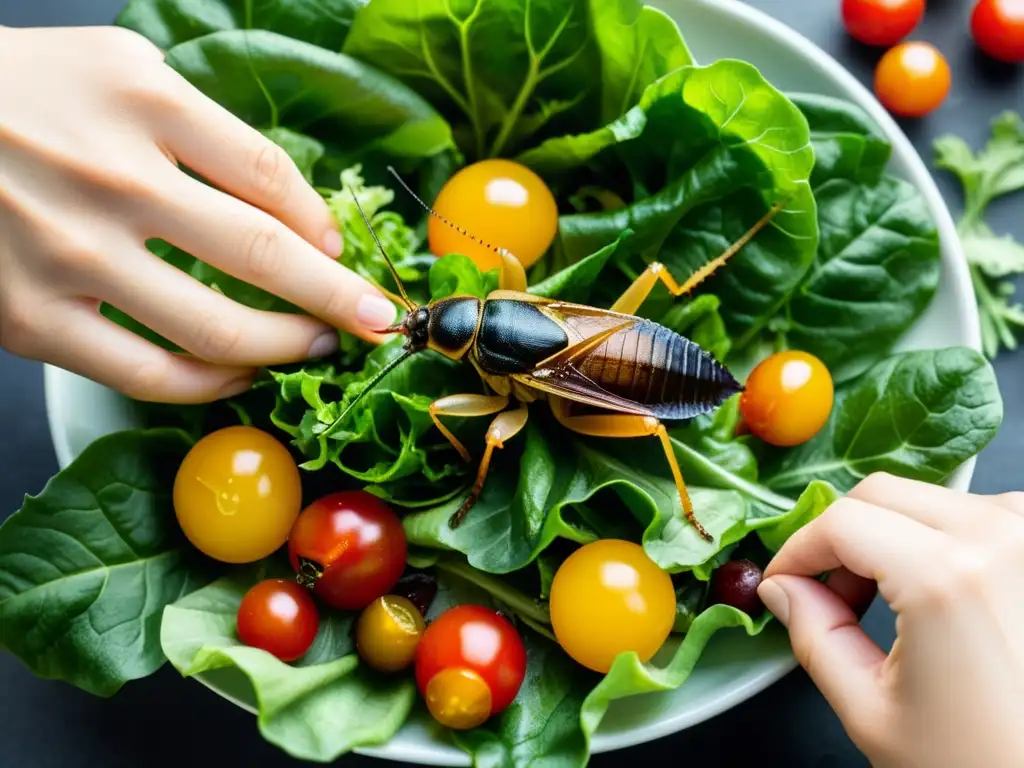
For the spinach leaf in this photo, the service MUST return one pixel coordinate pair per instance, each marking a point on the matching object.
(710, 149)
(510, 72)
(87, 566)
(356, 112)
(918, 415)
(318, 709)
(170, 22)
(876, 271)
(847, 144)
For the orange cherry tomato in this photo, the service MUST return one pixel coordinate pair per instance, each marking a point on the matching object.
(787, 398)
(501, 203)
(279, 617)
(912, 79)
(998, 29)
(607, 598)
(470, 665)
(881, 22)
(236, 494)
(349, 547)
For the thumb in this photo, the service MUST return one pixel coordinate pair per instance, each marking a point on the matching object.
(830, 645)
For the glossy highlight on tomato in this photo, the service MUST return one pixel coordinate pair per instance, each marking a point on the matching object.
(500, 202)
(607, 598)
(279, 617)
(349, 547)
(912, 79)
(998, 29)
(787, 398)
(237, 494)
(881, 22)
(470, 665)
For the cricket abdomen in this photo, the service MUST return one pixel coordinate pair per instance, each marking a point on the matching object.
(656, 367)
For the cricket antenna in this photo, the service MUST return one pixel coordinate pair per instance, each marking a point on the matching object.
(437, 215)
(394, 272)
(366, 390)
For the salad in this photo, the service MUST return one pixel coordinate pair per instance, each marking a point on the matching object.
(300, 533)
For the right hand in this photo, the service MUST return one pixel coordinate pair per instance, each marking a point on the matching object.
(950, 693)
(93, 124)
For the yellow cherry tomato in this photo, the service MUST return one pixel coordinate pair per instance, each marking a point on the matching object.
(388, 632)
(502, 203)
(609, 597)
(458, 698)
(912, 79)
(787, 398)
(237, 494)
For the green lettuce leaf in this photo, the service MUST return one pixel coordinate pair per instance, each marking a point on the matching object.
(87, 566)
(318, 709)
(918, 415)
(170, 22)
(508, 73)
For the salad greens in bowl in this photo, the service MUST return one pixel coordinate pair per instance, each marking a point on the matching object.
(576, 606)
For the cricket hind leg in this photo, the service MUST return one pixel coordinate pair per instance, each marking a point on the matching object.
(467, 406)
(635, 295)
(626, 425)
(504, 427)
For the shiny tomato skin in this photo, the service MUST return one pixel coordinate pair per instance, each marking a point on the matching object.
(998, 29)
(608, 597)
(787, 398)
(912, 79)
(280, 617)
(236, 494)
(357, 544)
(499, 202)
(477, 639)
(881, 22)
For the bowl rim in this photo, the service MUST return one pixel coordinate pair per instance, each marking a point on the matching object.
(917, 173)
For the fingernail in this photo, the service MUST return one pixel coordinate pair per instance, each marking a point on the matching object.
(333, 244)
(324, 345)
(775, 599)
(375, 312)
(236, 387)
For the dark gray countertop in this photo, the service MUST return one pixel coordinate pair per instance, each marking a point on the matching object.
(45, 724)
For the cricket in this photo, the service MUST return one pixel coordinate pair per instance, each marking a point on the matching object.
(633, 373)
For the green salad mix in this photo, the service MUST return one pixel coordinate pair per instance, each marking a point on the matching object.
(649, 155)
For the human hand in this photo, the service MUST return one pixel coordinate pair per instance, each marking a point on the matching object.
(92, 126)
(951, 565)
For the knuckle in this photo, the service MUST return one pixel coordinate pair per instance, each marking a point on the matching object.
(263, 252)
(963, 574)
(128, 41)
(216, 337)
(146, 380)
(271, 171)
(337, 303)
(874, 485)
(1013, 501)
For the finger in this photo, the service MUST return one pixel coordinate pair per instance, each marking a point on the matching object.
(257, 249)
(872, 542)
(232, 155)
(208, 324)
(88, 344)
(830, 645)
(933, 505)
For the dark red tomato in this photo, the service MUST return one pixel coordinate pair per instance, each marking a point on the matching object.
(279, 617)
(998, 29)
(349, 547)
(735, 583)
(469, 666)
(881, 22)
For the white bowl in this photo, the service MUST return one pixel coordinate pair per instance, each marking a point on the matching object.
(734, 667)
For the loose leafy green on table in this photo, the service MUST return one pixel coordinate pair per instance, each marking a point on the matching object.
(995, 171)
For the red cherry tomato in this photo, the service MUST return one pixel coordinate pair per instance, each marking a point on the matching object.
(469, 666)
(998, 29)
(881, 22)
(349, 547)
(912, 79)
(280, 617)
(787, 398)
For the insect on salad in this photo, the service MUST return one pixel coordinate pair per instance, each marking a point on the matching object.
(650, 315)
